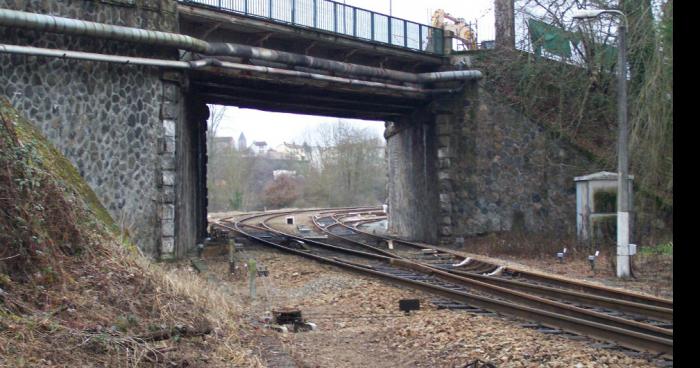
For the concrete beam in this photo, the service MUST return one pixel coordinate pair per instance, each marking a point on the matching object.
(328, 98)
(297, 107)
(319, 85)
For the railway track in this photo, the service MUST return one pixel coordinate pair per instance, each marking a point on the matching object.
(475, 265)
(639, 307)
(641, 323)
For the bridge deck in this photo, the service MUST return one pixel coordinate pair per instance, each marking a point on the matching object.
(337, 18)
(291, 95)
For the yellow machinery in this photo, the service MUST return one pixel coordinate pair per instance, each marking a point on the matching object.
(463, 31)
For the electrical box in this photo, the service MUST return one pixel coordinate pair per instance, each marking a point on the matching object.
(596, 204)
(407, 305)
(633, 249)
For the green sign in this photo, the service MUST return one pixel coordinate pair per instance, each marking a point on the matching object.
(553, 39)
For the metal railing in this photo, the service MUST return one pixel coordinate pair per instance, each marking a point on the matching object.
(338, 18)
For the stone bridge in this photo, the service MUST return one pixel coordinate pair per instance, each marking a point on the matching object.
(121, 87)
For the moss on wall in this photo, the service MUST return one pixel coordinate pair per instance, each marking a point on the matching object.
(43, 159)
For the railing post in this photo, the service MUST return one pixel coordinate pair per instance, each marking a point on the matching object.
(354, 22)
(371, 18)
(270, 9)
(335, 17)
(443, 45)
(293, 8)
(245, 7)
(405, 34)
(389, 28)
(420, 37)
(315, 13)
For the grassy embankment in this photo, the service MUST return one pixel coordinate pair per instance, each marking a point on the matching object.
(74, 292)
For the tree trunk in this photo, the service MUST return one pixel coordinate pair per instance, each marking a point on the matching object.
(504, 11)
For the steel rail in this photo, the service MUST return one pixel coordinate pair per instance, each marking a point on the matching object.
(502, 292)
(539, 302)
(265, 227)
(325, 230)
(631, 339)
(575, 285)
(524, 293)
(661, 313)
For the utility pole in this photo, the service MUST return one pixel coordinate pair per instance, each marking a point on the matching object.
(623, 201)
(623, 188)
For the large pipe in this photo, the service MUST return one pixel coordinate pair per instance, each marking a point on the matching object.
(198, 64)
(252, 52)
(49, 23)
(79, 55)
(449, 76)
(294, 73)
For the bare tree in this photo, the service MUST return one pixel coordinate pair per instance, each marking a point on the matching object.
(216, 116)
(351, 166)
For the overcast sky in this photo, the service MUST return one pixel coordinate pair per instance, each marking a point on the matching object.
(275, 128)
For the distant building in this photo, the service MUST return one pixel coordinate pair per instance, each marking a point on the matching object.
(242, 144)
(272, 154)
(222, 144)
(259, 147)
(292, 151)
(278, 173)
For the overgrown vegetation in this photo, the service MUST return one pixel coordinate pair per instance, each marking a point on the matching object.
(575, 97)
(659, 249)
(40, 221)
(73, 294)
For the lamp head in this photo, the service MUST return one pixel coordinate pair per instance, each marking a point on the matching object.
(587, 13)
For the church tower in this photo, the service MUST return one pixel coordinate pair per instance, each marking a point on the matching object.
(242, 144)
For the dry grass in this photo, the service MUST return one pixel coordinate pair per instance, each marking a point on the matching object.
(530, 245)
(97, 311)
(74, 294)
(653, 273)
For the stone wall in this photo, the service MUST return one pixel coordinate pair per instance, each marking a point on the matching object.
(510, 173)
(487, 169)
(105, 118)
(412, 177)
(190, 175)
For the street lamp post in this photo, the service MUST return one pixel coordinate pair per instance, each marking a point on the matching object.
(623, 200)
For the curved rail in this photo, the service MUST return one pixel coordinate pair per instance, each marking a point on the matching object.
(517, 289)
(624, 332)
(575, 285)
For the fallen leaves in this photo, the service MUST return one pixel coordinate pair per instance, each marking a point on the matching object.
(360, 325)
